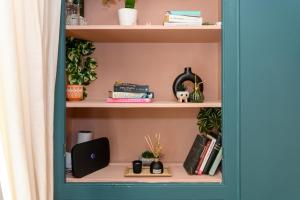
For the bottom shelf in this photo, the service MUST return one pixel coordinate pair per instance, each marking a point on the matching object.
(115, 173)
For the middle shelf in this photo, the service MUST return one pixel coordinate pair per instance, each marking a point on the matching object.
(154, 104)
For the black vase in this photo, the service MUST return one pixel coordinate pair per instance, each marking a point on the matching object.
(187, 75)
(156, 167)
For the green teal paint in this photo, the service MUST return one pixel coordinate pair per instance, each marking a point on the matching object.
(228, 190)
(270, 97)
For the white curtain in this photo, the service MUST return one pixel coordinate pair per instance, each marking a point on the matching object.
(29, 37)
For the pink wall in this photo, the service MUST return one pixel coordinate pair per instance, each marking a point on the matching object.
(155, 64)
(150, 10)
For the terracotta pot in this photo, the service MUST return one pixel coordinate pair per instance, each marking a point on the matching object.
(74, 92)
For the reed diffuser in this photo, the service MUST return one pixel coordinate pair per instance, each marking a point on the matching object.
(156, 167)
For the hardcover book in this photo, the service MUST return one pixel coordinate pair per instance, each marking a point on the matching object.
(202, 157)
(178, 18)
(216, 163)
(193, 13)
(126, 100)
(130, 87)
(213, 154)
(191, 161)
(210, 148)
(133, 95)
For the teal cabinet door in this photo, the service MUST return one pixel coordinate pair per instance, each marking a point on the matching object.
(270, 97)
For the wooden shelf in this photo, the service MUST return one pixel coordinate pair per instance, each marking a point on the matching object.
(115, 173)
(154, 104)
(146, 33)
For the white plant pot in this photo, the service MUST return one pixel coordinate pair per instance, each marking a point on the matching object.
(127, 16)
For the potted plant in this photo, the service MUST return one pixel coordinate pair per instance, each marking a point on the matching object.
(182, 94)
(80, 67)
(210, 120)
(147, 157)
(128, 15)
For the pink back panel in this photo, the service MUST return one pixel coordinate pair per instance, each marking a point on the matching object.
(150, 10)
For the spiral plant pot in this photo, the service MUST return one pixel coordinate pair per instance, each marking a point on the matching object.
(74, 92)
(187, 75)
(127, 16)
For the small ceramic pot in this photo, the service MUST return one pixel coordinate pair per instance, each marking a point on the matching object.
(156, 167)
(74, 92)
(146, 161)
(127, 16)
(182, 96)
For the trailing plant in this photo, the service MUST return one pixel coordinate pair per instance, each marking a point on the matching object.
(80, 67)
(129, 3)
(210, 120)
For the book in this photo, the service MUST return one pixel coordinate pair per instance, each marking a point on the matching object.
(179, 18)
(133, 95)
(210, 148)
(191, 161)
(213, 154)
(202, 157)
(130, 87)
(127, 100)
(169, 24)
(216, 163)
(193, 13)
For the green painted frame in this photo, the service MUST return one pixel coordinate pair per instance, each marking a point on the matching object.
(230, 187)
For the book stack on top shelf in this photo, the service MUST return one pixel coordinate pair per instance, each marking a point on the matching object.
(130, 93)
(205, 155)
(183, 18)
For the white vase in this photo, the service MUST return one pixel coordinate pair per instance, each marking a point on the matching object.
(127, 16)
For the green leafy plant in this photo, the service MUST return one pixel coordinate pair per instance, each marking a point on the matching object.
(148, 154)
(129, 3)
(80, 67)
(181, 88)
(210, 120)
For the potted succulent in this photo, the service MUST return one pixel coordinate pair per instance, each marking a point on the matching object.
(80, 67)
(182, 94)
(210, 120)
(128, 15)
(147, 158)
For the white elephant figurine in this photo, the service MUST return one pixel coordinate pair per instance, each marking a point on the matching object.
(182, 96)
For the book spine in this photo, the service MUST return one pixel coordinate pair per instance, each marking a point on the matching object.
(211, 146)
(202, 157)
(213, 155)
(178, 18)
(193, 13)
(191, 160)
(131, 88)
(181, 24)
(131, 95)
(126, 100)
(216, 163)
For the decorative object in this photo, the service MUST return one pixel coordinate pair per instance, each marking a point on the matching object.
(147, 157)
(156, 167)
(128, 172)
(80, 67)
(84, 136)
(74, 92)
(196, 96)
(182, 94)
(74, 12)
(137, 166)
(128, 15)
(210, 120)
(188, 75)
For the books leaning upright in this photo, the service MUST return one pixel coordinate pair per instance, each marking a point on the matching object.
(191, 161)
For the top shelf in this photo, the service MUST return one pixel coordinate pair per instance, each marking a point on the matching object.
(146, 33)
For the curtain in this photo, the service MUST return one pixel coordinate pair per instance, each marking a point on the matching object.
(29, 37)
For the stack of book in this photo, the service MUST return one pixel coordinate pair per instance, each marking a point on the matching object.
(183, 18)
(130, 93)
(205, 155)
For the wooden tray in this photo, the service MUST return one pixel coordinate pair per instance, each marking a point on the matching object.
(146, 172)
